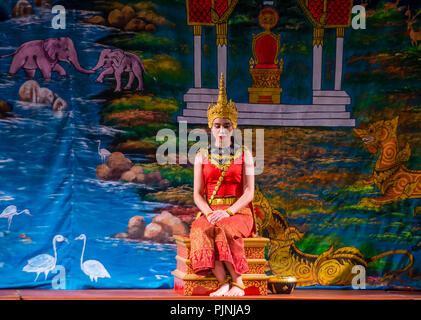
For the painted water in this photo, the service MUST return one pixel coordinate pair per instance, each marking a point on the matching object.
(47, 165)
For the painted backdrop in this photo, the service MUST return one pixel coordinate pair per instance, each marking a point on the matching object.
(83, 201)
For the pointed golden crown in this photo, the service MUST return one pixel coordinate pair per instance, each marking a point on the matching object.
(222, 108)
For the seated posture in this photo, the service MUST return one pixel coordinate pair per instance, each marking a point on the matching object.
(223, 191)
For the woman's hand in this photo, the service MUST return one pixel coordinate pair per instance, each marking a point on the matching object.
(217, 215)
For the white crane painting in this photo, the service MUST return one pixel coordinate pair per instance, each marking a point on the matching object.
(44, 262)
(103, 153)
(92, 268)
(10, 212)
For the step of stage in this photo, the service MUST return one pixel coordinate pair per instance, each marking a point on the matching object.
(334, 97)
(289, 115)
(272, 108)
(188, 283)
(328, 110)
(201, 95)
(326, 122)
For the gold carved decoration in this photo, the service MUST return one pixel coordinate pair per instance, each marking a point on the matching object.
(191, 284)
(332, 267)
(318, 34)
(221, 34)
(197, 30)
(394, 180)
(266, 78)
(340, 32)
(261, 285)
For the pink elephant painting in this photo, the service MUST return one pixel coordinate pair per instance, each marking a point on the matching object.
(115, 62)
(45, 55)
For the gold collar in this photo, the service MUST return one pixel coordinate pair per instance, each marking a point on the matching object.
(222, 161)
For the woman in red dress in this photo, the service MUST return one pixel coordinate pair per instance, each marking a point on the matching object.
(223, 191)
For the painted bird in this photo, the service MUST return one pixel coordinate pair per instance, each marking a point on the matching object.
(10, 212)
(103, 153)
(92, 268)
(44, 262)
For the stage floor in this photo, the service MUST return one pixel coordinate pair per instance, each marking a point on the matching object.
(169, 294)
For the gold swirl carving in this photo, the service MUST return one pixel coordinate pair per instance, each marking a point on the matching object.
(332, 267)
(189, 285)
(261, 285)
(395, 181)
(332, 272)
(303, 270)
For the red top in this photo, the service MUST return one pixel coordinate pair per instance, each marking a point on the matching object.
(231, 186)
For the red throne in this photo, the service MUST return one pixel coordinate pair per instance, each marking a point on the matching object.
(265, 49)
(265, 66)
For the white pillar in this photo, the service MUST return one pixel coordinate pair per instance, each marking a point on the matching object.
(318, 35)
(197, 61)
(317, 67)
(339, 61)
(222, 63)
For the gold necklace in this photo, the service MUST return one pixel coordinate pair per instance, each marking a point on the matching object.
(217, 159)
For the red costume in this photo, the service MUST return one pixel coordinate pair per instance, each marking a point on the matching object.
(222, 241)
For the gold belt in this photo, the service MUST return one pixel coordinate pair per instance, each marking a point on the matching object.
(227, 200)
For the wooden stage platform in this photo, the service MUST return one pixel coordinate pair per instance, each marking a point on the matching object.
(169, 294)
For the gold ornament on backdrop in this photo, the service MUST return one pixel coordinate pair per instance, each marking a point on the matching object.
(223, 108)
(332, 267)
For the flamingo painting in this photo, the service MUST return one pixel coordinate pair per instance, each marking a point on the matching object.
(103, 153)
(10, 212)
(92, 268)
(44, 262)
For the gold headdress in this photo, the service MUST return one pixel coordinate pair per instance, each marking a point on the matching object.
(222, 108)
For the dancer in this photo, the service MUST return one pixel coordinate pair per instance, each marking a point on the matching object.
(223, 191)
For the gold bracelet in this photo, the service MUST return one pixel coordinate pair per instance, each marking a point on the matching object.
(208, 214)
(229, 212)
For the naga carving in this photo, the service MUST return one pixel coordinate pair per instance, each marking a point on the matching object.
(332, 267)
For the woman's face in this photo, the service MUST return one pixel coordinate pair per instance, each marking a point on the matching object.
(222, 131)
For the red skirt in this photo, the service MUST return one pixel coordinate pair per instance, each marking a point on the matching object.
(222, 241)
